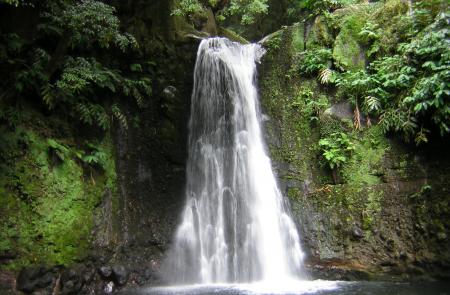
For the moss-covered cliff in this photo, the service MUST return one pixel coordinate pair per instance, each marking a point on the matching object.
(383, 212)
(74, 198)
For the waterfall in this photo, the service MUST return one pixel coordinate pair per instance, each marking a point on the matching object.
(235, 225)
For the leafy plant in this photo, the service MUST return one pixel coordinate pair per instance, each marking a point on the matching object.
(412, 87)
(74, 78)
(315, 107)
(312, 61)
(336, 149)
(324, 6)
(60, 150)
(327, 76)
(247, 10)
(369, 36)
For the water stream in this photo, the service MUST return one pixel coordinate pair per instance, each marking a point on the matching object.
(236, 226)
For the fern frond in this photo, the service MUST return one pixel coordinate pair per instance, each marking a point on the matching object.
(103, 120)
(325, 76)
(47, 95)
(117, 113)
(372, 103)
(85, 112)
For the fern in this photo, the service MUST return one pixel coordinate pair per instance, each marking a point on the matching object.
(117, 113)
(372, 104)
(48, 95)
(60, 150)
(325, 76)
(90, 113)
(336, 149)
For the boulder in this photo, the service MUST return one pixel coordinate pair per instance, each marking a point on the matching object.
(341, 111)
(105, 271)
(357, 233)
(33, 278)
(120, 274)
(71, 281)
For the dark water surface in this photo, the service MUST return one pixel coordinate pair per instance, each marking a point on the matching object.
(310, 287)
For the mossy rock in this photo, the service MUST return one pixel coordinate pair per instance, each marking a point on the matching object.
(347, 52)
(298, 37)
(232, 35)
(319, 34)
(48, 198)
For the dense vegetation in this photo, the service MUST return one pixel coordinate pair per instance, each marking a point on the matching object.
(70, 69)
(403, 84)
(79, 72)
(72, 73)
(247, 10)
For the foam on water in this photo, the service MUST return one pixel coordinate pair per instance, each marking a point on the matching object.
(255, 288)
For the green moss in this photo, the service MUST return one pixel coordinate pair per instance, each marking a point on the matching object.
(285, 99)
(347, 52)
(320, 34)
(227, 33)
(48, 199)
(298, 37)
(392, 17)
(364, 166)
(372, 208)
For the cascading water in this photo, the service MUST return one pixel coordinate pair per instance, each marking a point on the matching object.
(235, 225)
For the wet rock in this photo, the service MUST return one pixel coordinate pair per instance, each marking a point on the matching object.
(170, 92)
(403, 255)
(105, 271)
(71, 281)
(357, 233)
(120, 274)
(34, 278)
(340, 111)
(333, 272)
(109, 288)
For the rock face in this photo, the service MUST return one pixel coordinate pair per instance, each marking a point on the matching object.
(135, 208)
(34, 278)
(387, 216)
(151, 153)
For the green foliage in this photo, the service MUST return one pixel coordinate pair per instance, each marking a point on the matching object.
(88, 22)
(10, 115)
(372, 209)
(426, 11)
(336, 149)
(74, 78)
(354, 82)
(317, 7)
(248, 11)
(311, 62)
(46, 207)
(406, 85)
(370, 36)
(60, 150)
(348, 51)
(309, 104)
(365, 164)
(188, 7)
(273, 42)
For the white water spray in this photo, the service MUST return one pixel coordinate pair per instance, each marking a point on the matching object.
(235, 225)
